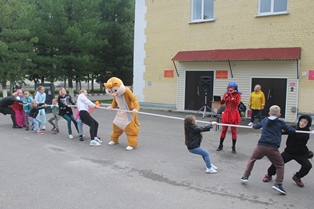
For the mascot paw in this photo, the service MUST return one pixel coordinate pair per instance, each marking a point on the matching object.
(135, 110)
(129, 148)
(109, 108)
(112, 143)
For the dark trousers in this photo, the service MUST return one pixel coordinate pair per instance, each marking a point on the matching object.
(91, 122)
(8, 110)
(257, 113)
(306, 165)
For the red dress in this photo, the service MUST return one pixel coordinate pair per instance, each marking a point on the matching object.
(231, 114)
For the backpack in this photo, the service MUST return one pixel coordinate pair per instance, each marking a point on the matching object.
(242, 109)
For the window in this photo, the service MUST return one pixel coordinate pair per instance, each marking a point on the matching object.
(202, 10)
(268, 7)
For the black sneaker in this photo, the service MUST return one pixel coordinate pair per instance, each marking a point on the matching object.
(244, 178)
(279, 188)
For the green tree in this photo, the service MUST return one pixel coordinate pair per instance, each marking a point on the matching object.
(67, 37)
(16, 41)
(116, 58)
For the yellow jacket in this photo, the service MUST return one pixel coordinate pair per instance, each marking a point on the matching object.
(257, 100)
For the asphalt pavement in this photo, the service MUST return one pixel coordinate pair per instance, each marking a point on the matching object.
(52, 171)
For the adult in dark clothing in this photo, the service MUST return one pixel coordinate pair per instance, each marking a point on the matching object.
(297, 150)
(5, 108)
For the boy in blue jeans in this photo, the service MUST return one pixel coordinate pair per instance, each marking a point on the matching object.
(268, 146)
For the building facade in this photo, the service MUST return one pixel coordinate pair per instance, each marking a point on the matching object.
(181, 45)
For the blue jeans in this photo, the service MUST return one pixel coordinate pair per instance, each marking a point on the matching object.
(35, 122)
(42, 113)
(80, 126)
(258, 113)
(70, 118)
(26, 118)
(204, 153)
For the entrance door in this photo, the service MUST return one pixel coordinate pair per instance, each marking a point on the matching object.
(195, 96)
(275, 93)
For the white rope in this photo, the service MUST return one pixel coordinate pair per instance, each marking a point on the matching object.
(199, 121)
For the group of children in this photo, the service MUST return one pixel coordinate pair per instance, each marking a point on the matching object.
(31, 113)
(268, 145)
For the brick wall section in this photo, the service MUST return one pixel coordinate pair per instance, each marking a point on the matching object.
(236, 25)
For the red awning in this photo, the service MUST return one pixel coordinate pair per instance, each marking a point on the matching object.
(240, 54)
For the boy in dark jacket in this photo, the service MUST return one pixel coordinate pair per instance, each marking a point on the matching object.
(297, 150)
(193, 140)
(268, 145)
(33, 114)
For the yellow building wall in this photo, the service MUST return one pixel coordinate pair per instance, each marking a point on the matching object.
(236, 25)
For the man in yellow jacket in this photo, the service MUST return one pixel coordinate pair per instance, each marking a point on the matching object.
(256, 103)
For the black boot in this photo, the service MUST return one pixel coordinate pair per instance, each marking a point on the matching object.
(220, 144)
(233, 146)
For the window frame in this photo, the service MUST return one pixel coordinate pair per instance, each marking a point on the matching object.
(202, 13)
(271, 9)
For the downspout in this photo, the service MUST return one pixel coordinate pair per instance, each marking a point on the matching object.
(298, 69)
(230, 68)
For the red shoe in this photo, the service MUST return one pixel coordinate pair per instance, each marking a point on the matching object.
(298, 181)
(267, 178)
(40, 132)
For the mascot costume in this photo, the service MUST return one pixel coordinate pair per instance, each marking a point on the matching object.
(124, 121)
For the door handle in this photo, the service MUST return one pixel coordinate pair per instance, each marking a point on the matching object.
(198, 91)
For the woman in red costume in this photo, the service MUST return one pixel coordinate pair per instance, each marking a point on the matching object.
(232, 99)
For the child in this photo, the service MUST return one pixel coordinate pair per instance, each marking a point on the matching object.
(18, 109)
(65, 103)
(231, 115)
(40, 97)
(33, 114)
(55, 115)
(268, 146)
(27, 106)
(193, 140)
(297, 150)
(79, 123)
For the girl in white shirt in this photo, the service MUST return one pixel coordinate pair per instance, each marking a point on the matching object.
(83, 104)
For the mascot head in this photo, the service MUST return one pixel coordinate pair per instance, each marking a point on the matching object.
(114, 87)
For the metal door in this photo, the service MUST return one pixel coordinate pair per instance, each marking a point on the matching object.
(275, 91)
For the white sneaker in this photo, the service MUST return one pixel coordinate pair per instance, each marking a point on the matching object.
(112, 143)
(214, 167)
(71, 136)
(250, 124)
(210, 170)
(97, 140)
(94, 143)
(129, 148)
(43, 128)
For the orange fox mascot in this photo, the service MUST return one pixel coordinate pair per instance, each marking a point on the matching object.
(124, 121)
